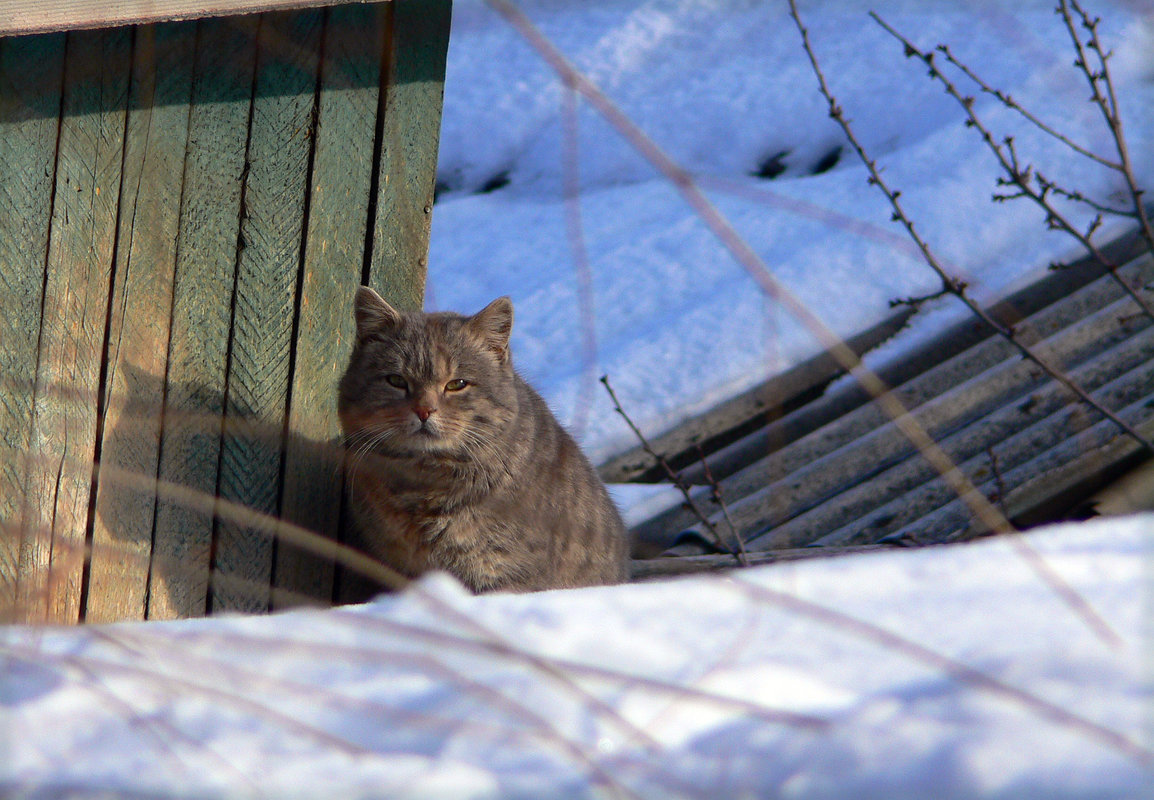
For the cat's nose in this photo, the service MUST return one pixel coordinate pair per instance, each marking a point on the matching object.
(423, 412)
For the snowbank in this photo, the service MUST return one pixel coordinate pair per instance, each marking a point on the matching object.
(963, 676)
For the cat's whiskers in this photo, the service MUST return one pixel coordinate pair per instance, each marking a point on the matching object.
(369, 440)
(483, 450)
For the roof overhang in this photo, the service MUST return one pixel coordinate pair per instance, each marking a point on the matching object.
(18, 17)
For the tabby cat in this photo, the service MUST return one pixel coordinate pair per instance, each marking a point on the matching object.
(457, 464)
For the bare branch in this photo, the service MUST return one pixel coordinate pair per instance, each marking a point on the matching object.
(916, 302)
(1056, 584)
(677, 481)
(717, 497)
(1049, 187)
(1023, 179)
(1107, 103)
(1009, 102)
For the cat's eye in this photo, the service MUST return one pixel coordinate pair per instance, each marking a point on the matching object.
(456, 385)
(397, 381)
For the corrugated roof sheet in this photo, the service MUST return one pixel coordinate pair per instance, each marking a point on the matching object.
(833, 471)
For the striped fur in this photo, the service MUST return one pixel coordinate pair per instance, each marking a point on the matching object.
(474, 478)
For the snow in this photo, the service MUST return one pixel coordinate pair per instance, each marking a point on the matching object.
(950, 672)
(774, 682)
(722, 86)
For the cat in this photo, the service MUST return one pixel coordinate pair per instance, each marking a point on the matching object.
(457, 464)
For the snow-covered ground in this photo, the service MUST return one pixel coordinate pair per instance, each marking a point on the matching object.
(931, 673)
(949, 672)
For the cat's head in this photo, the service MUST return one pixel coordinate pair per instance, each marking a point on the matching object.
(428, 383)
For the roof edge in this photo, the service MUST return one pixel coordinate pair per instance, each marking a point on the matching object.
(21, 17)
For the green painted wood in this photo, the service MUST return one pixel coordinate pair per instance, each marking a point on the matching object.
(271, 230)
(75, 307)
(155, 140)
(410, 135)
(206, 256)
(331, 272)
(201, 150)
(31, 70)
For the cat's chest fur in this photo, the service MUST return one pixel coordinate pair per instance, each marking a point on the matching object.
(456, 464)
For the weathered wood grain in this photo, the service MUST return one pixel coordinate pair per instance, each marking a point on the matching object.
(188, 247)
(75, 308)
(35, 16)
(330, 274)
(206, 255)
(272, 228)
(31, 70)
(419, 37)
(155, 139)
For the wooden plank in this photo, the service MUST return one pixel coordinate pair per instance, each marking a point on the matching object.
(650, 569)
(410, 133)
(206, 256)
(330, 274)
(267, 267)
(75, 307)
(36, 16)
(31, 71)
(155, 139)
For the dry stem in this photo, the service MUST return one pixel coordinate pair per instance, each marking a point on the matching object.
(949, 283)
(1107, 103)
(977, 501)
(1024, 176)
(676, 479)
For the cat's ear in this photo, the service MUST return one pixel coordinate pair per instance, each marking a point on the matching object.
(373, 313)
(493, 325)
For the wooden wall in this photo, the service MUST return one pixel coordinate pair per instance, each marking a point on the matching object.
(186, 210)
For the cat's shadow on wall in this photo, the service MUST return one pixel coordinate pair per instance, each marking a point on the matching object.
(201, 557)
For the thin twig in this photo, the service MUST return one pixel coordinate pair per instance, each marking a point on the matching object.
(1108, 103)
(719, 499)
(1009, 102)
(1022, 177)
(1049, 186)
(975, 499)
(676, 479)
(917, 302)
